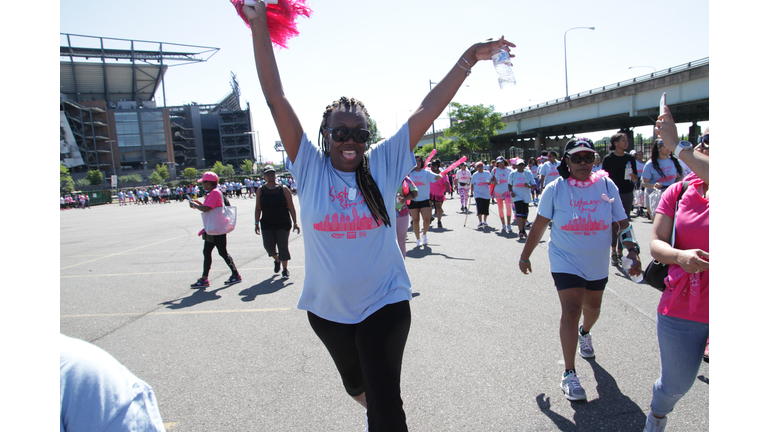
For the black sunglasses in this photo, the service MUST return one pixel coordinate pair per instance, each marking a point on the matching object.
(342, 134)
(704, 140)
(577, 158)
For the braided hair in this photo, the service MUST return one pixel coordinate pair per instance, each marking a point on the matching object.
(368, 187)
(655, 159)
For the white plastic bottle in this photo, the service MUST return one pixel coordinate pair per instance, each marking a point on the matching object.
(628, 171)
(503, 64)
(626, 263)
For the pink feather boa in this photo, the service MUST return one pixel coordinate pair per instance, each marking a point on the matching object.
(281, 19)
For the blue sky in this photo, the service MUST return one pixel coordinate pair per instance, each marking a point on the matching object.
(386, 53)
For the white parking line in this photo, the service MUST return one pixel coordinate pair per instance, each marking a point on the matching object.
(176, 313)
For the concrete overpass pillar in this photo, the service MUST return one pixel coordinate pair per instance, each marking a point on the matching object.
(694, 132)
(630, 137)
(539, 143)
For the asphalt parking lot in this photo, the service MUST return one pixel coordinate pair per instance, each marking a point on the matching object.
(483, 352)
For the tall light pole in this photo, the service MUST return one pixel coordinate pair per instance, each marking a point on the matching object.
(565, 50)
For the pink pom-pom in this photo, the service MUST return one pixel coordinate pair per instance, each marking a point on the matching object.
(281, 19)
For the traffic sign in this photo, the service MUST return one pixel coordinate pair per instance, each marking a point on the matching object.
(279, 146)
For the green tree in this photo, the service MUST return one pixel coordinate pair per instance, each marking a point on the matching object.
(94, 177)
(223, 171)
(247, 167)
(66, 184)
(162, 172)
(375, 134)
(155, 178)
(475, 126)
(447, 150)
(190, 173)
(83, 182)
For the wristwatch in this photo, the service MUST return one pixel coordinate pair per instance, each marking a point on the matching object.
(682, 145)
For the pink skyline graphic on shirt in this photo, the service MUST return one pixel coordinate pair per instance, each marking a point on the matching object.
(342, 222)
(584, 226)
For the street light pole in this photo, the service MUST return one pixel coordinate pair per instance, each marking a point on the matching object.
(434, 141)
(565, 50)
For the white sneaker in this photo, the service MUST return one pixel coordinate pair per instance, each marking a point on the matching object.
(425, 240)
(480, 225)
(503, 228)
(509, 228)
(585, 345)
(654, 424)
(572, 387)
(485, 224)
(418, 242)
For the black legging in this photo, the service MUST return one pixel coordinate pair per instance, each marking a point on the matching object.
(369, 357)
(220, 243)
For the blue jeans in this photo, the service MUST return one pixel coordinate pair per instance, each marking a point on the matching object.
(681, 343)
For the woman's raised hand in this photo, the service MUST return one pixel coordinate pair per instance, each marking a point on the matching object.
(255, 12)
(485, 50)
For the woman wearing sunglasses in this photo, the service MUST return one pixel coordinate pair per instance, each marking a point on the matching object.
(356, 288)
(682, 317)
(660, 172)
(582, 205)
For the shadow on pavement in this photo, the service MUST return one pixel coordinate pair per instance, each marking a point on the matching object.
(611, 411)
(199, 296)
(269, 286)
(424, 251)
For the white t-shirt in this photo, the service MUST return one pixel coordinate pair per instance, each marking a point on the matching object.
(667, 166)
(548, 172)
(354, 266)
(482, 183)
(580, 241)
(520, 182)
(463, 176)
(422, 179)
(501, 175)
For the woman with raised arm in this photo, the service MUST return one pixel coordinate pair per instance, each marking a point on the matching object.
(356, 288)
(680, 239)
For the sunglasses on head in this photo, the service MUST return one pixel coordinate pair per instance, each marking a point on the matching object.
(342, 134)
(704, 140)
(578, 158)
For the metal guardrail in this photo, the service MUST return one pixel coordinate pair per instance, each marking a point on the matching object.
(642, 78)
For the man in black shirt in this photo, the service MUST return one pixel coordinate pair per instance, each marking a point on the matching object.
(616, 166)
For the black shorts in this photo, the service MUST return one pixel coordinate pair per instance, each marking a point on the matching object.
(482, 205)
(521, 209)
(415, 205)
(566, 280)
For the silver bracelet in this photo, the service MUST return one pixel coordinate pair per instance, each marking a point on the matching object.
(458, 63)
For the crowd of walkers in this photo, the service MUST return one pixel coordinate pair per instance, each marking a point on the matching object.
(357, 290)
(70, 201)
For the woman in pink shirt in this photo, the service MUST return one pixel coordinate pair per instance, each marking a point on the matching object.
(437, 191)
(682, 323)
(212, 200)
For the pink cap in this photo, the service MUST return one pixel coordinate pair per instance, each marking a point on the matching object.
(209, 176)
